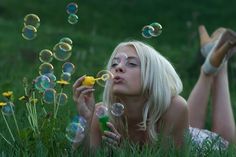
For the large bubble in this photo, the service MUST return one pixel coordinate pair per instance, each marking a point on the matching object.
(8, 109)
(75, 132)
(62, 99)
(73, 19)
(66, 77)
(72, 8)
(62, 51)
(117, 109)
(32, 19)
(81, 120)
(29, 32)
(42, 82)
(146, 31)
(45, 55)
(49, 96)
(157, 29)
(46, 68)
(52, 78)
(68, 68)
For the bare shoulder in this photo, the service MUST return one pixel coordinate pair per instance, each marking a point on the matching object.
(177, 110)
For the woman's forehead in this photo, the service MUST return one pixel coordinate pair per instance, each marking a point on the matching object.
(126, 50)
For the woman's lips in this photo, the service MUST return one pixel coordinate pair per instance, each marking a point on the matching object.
(118, 79)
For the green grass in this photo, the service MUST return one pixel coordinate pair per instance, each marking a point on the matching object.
(102, 25)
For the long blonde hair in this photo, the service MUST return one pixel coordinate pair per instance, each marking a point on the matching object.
(159, 82)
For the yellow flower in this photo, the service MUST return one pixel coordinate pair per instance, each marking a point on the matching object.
(7, 94)
(2, 104)
(62, 82)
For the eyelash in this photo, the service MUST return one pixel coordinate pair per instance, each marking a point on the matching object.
(127, 64)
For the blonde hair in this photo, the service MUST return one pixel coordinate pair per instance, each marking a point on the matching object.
(159, 82)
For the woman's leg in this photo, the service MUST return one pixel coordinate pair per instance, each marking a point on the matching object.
(222, 114)
(198, 100)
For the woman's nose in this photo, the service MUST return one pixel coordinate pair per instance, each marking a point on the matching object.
(120, 67)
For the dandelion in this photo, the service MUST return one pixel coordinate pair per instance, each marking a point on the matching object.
(63, 82)
(2, 104)
(7, 94)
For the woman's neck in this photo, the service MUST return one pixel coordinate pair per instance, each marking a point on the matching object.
(133, 108)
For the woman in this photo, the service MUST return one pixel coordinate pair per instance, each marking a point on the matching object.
(148, 87)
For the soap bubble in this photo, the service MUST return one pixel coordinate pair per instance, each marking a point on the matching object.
(42, 82)
(32, 19)
(52, 78)
(45, 68)
(66, 77)
(101, 111)
(72, 8)
(49, 95)
(62, 51)
(157, 29)
(8, 109)
(75, 132)
(117, 109)
(81, 120)
(73, 19)
(67, 40)
(29, 32)
(104, 75)
(68, 68)
(62, 99)
(45, 55)
(146, 31)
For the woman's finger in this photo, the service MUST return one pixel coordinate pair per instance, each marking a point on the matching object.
(78, 82)
(111, 126)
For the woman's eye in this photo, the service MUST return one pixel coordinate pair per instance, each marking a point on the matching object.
(132, 64)
(114, 65)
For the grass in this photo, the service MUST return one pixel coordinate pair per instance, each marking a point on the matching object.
(101, 26)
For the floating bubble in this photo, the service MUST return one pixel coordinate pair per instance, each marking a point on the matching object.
(157, 29)
(72, 8)
(66, 77)
(62, 98)
(67, 40)
(75, 132)
(42, 82)
(73, 19)
(117, 109)
(68, 68)
(32, 19)
(62, 51)
(81, 120)
(52, 78)
(45, 68)
(29, 32)
(49, 95)
(8, 109)
(103, 76)
(45, 55)
(102, 114)
(146, 31)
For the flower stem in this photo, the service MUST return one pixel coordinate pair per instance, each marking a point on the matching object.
(6, 140)
(14, 117)
(58, 103)
(8, 126)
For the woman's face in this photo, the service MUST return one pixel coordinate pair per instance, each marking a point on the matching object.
(126, 69)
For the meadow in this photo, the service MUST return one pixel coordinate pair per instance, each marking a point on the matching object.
(101, 26)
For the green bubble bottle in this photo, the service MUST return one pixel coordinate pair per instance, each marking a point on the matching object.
(102, 114)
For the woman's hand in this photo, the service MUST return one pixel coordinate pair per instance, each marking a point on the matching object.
(84, 99)
(112, 137)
